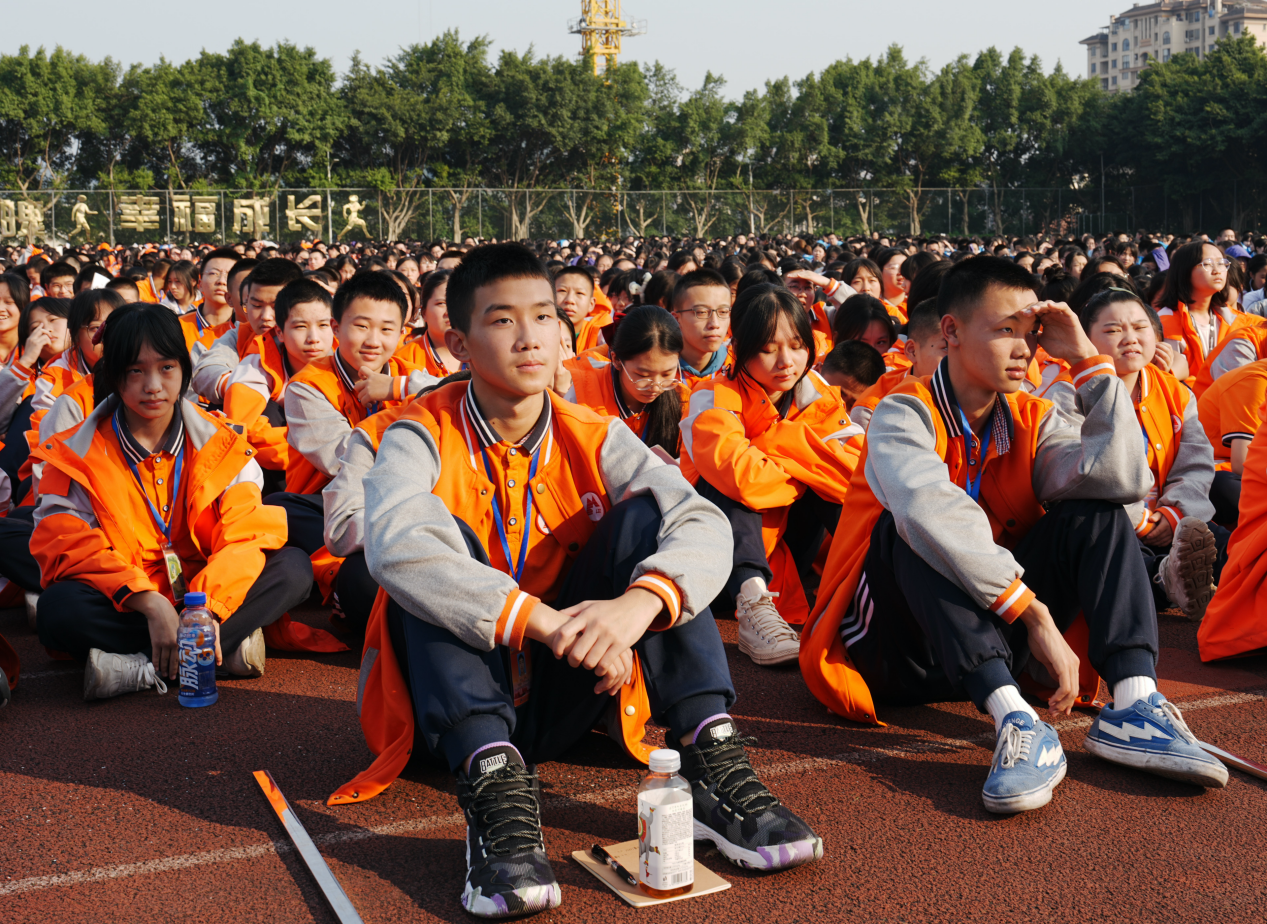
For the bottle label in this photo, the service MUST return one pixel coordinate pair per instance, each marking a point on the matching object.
(666, 842)
(197, 661)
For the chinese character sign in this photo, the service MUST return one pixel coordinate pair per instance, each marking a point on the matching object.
(299, 217)
(250, 217)
(138, 213)
(196, 214)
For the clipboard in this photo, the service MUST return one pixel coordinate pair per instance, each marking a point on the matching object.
(626, 854)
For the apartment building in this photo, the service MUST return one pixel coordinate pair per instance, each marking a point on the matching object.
(1149, 32)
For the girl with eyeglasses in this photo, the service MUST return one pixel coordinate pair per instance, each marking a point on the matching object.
(1183, 549)
(640, 384)
(764, 441)
(1194, 319)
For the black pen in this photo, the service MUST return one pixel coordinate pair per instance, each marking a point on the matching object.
(607, 858)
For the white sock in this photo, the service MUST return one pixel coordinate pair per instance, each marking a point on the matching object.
(1004, 701)
(752, 587)
(1127, 692)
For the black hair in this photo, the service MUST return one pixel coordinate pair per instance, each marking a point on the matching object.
(274, 271)
(127, 333)
(914, 265)
(86, 306)
(86, 275)
(57, 307)
(1179, 277)
(432, 281)
(1059, 287)
(732, 270)
(297, 293)
(19, 290)
(756, 318)
(700, 277)
(377, 287)
(923, 320)
(220, 253)
(568, 271)
(851, 269)
(483, 266)
(860, 361)
(187, 273)
(927, 284)
(1093, 284)
(968, 281)
(410, 290)
(1097, 302)
(680, 258)
(58, 270)
(123, 282)
(644, 328)
(857, 314)
(757, 274)
(659, 289)
(1094, 264)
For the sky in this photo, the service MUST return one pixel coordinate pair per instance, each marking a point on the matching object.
(747, 43)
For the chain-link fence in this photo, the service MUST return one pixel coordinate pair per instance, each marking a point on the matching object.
(428, 214)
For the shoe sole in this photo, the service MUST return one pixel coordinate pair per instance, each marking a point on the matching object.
(90, 675)
(1211, 774)
(782, 856)
(32, 609)
(1025, 801)
(1196, 551)
(768, 660)
(532, 900)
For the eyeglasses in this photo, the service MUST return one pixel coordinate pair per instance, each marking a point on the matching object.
(703, 314)
(658, 385)
(1212, 265)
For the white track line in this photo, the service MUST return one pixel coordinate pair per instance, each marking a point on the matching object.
(602, 797)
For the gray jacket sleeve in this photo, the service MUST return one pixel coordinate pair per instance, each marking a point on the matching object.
(1096, 456)
(1187, 486)
(315, 427)
(11, 387)
(413, 546)
(218, 361)
(934, 516)
(344, 497)
(1238, 352)
(695, 541)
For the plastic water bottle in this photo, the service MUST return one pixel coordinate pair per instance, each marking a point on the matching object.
(666, 828)
(196, 641)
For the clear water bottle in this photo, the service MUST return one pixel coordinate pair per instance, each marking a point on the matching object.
(666, 828)
(196, 641)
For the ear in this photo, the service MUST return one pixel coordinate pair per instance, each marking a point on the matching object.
(950, 329)
(455, 340)
(334, 326)
(910, 348)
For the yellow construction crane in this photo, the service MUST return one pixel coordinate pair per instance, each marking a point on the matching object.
(601, 28)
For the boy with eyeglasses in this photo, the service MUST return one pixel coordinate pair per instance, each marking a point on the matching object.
(701, 304)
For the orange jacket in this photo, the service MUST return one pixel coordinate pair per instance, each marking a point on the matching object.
(588, 333)
(1240, 347)
(867, 401)
(578, 456)
(1236, 620)
(54, 379)
(199, 335)
(220, 526)
(1177, 326)
(1010, 504)
(260, 377)
(593, 387)
(320, 382)
(735, 439)
(418, 351)
(1232, 408)
(897, 309)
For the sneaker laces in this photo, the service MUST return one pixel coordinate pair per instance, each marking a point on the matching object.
(506, 810)
(1015, 745)
(766, 620)
(727, 767)
(148, 677)
(1170, 712)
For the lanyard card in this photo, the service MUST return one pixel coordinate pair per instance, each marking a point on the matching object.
(175, 574)
(520, 674)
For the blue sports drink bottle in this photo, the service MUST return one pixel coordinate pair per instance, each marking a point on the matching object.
(197, 645)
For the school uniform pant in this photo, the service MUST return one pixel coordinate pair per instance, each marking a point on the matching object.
(1225, 495)
(16, 561)
(74, 617)
(356, 590)
(15, 449)
(917, 637)
(305, 519)
(809, 518)
(1153, 556)
(464, 698)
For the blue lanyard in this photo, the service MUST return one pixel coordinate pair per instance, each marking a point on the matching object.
(974, 487)
(164, 525)
(516, 570)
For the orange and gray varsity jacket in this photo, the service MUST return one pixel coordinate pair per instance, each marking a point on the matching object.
(914, 466)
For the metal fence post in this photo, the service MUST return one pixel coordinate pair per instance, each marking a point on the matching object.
(111, 201)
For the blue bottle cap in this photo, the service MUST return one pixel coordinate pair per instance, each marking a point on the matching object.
(195, 599)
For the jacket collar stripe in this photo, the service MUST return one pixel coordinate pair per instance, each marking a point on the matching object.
(132, 447)
(344, 373)
(489, 437)
(623, 408)
(948, 405)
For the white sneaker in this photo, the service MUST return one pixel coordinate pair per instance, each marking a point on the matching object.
(248, 660)
(763, 635)
(108, 674)
(32, 605)
(1187, 572)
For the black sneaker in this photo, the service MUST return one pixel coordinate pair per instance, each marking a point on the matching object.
(507, 871)
(735, 811)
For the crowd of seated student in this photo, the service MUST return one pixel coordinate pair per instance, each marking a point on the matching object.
(529, 479)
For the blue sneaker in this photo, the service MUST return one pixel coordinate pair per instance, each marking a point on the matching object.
(1151, 735)
(1028, 764)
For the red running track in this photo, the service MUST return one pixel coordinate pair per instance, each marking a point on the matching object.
(137, 810)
